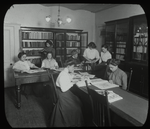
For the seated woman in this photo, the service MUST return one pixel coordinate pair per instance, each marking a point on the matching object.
(102, 66)
(67, 112)
(74, 57)
(105, 54)
(117, 76)
(22, 65)
(49, 62)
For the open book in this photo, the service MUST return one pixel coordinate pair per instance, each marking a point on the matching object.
(36, 71)
(102, 84)
(112, 97)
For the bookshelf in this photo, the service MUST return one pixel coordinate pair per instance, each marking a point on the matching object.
(32, 40)
(128, 39)
(122, 30)
(117, 37)
(140, 39)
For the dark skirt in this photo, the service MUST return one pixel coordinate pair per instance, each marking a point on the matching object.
(67, 112)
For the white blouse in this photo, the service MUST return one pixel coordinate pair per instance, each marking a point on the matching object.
(23, 65)
(49, 63)
(105, 56)
(91, 53)
(64, 80)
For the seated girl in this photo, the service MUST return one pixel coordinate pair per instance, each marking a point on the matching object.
(23, 65)
(74, 57)
(67, 112)
(117, 76)
(49, 62)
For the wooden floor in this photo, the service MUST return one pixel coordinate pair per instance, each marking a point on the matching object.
(34, 111)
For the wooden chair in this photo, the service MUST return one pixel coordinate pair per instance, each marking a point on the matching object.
(129, 76)
(100, 108)
(53, 77)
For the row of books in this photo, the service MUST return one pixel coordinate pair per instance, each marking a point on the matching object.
(58, 57)
(32, 52)
(60, 44)
(59, 36)
(72, 37)
(120, 57)
(68, 51)
(121, 45)
(120, 50)
(33, 44)
(72, 44)
(37, 35)
(121, 38)
(140, 49)
(60, 51)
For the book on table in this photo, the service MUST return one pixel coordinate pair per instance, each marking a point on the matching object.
(112, 97)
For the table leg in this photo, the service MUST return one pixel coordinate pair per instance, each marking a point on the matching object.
(18, 96)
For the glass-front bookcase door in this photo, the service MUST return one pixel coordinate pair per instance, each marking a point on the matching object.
(122, 29)
(60, 46)
(110, 36)
(140, 39)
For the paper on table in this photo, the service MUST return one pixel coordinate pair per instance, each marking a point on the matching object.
(104, 85)
(112, 97)
(36, 71)
(59, 69)
(87, 74)
(98, 80)
(82, 83)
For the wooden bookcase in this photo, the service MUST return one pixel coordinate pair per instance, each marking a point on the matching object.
(32, 40)
(117, 38)
(128, 41)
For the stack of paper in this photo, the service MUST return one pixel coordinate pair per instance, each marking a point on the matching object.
(112, 97)
(87, 74)
(36, 71)
(102, 84)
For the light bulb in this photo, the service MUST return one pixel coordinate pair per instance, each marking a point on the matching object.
(48, 18)
(68, 19)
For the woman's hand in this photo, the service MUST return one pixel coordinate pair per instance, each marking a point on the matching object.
(111, 81)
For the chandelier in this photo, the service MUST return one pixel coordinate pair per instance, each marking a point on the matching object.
(59, 19)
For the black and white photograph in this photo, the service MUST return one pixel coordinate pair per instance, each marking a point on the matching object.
(75, 65)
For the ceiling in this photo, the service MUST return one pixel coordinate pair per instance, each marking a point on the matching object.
(94, 8)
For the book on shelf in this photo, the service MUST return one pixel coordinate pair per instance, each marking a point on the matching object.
(72, 37)
(32, 44)
(37, 35)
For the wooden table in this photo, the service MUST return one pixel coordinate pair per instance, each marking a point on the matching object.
(132, 108)
(26, 78)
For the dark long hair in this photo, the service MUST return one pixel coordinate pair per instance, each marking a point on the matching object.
(21, 54)
(92, 45)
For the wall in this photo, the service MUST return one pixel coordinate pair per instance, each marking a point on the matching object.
(33, 15)
(118, 12)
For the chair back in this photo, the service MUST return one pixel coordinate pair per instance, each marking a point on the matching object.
(129, 76)
(100, 107)
(53, 76)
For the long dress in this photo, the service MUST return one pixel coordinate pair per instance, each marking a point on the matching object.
(68, 110)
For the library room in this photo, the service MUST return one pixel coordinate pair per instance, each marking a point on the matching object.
(75, 65)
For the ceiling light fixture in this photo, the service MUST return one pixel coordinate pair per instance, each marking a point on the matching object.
(59, 19)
